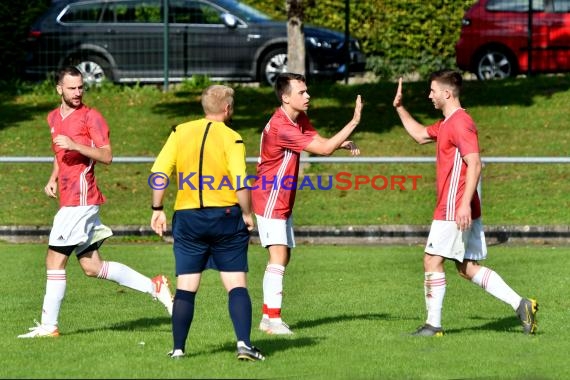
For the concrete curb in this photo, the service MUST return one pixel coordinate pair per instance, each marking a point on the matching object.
(381, 234)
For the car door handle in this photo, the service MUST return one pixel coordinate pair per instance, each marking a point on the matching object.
(110, 31)
(253, 37)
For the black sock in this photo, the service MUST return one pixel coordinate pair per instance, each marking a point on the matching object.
(182, 315)
(239, 305)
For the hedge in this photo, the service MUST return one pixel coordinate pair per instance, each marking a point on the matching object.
(398, 36)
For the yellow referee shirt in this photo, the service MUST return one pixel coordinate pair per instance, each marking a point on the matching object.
(206, 159)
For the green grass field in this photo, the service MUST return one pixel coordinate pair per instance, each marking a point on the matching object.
(351, 307)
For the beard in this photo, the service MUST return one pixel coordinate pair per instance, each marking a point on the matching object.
(71, 103)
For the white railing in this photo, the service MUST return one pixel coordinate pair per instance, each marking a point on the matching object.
(330, 160)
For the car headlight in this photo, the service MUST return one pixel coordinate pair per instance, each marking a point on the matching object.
(320, 43)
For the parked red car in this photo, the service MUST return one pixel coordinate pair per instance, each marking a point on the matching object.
(494, 41)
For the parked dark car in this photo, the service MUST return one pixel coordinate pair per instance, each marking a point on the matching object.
(123, 41)
(494, 38)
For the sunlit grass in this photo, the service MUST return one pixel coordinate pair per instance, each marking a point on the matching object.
(351, 308)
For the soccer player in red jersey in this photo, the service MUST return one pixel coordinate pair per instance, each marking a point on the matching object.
(286, 135)
(80, 138)
(457, 231)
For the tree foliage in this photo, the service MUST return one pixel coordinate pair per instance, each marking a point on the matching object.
(398, 36)
(16, 18)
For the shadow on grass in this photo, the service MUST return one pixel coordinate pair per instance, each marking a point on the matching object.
(267, 346)
(507, 324)
(271, 345)
(336, 319)
(137, 324)
(15, 113)
(332, 105)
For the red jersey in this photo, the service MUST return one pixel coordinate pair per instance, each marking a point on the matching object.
(76, 176)
(456, 136)
(282, 142)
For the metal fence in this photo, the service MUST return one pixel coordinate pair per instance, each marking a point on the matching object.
(338, 235)
(170, 40)
(160, 41)
(330, 160)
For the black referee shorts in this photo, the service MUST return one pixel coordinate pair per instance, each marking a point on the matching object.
(210, 238)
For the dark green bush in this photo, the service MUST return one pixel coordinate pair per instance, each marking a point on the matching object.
(16, 18)
(398, 36)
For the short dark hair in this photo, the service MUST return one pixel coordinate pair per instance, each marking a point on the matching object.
(450, 78)
(282, 83)
(68, 70)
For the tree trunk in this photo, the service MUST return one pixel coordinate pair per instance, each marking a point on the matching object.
(295, 37)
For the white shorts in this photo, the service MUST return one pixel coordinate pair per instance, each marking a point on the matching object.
(78, 226)
(275, 231)
(446, 240)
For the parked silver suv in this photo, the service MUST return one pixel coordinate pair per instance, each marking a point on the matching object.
(123, 41)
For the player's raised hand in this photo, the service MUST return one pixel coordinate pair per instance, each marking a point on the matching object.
(398, 97)
(357, 109)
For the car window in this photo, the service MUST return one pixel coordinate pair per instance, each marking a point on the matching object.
(82, 13)
(244, 11)
(561, 5)
(193, 12)
(514, 5)
(115, 12)
(132, 12)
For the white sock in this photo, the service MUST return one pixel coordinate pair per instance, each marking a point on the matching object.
(55, 291)
(434, 290)
(493, 284)
(273, 290)
(125, 276)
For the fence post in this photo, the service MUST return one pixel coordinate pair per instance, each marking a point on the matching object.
(165, 43)
(347, 39)
(529, 38)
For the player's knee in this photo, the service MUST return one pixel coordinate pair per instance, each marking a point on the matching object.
(90, 269)
(90, 272)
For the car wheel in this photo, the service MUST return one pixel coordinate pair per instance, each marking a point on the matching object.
(495, 64)
(273, 64)
(95, 69)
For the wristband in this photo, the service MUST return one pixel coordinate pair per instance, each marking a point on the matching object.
(157, 208)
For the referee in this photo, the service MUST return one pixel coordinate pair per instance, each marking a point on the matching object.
(212, 215)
